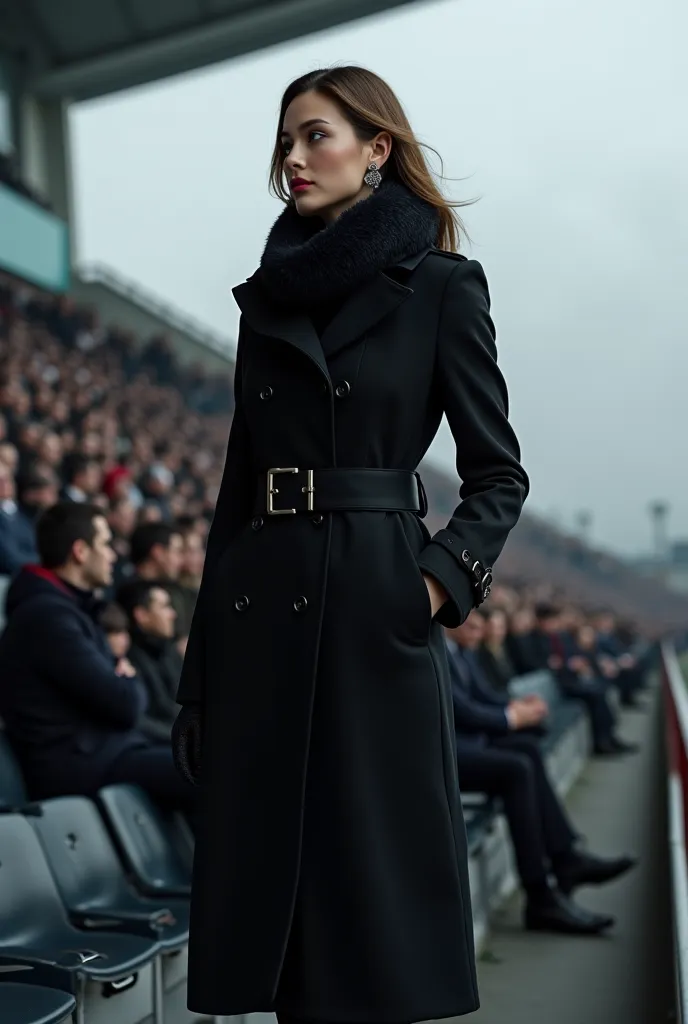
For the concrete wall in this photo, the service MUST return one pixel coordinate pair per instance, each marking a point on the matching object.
(126, 305)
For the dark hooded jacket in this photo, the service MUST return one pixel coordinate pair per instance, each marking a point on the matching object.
(67, 713)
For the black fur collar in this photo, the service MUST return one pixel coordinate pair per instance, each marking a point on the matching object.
(305, 264)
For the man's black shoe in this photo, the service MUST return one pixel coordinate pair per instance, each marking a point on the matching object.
(586, 869)
(605, 748)
(633, 704)
(560, 914)
(623, 746)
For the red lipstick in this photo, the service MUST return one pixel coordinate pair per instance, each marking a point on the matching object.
(299, 184)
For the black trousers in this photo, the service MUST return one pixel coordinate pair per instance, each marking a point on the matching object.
(593, 695)
(512, 768)
(152, 768)
(629, 681)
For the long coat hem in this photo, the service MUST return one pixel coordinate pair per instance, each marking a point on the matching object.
(316, 1015)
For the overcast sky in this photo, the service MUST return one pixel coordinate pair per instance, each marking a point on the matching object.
(567, 119)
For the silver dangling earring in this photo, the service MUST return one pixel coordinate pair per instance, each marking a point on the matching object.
(372, 176)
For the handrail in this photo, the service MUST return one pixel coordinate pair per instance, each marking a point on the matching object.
(98, 273)
(676, 699)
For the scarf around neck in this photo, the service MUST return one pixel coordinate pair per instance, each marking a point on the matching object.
(306, 263)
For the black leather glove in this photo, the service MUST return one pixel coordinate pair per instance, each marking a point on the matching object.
(187, 734)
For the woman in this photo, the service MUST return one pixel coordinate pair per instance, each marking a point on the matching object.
(330, 879)
(492, 656)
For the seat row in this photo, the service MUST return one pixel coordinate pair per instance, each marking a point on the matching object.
(92, 892)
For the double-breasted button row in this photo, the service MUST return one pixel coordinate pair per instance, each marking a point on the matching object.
(341, 389)
(242, 602)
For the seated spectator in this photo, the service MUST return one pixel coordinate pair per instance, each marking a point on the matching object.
(114, 623)
(193, 553)
(579, 679)
(17, 545)
(521, 645)
(492, 654)
(121, 517)
(71, 710)
(156, 553)
(83, 477)
(618, 657)
(37, 490)
(153, 654)
(495, 756)
(193, 559)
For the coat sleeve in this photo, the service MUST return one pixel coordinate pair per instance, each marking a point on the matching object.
(494, 485)
(233, 509)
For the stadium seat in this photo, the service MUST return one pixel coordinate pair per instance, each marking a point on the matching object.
(34, 924)
(91, 879)
(12, 789)
(32, 1004)
(141, 835)
(180, 836)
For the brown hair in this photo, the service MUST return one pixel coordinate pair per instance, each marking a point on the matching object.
(371, 106)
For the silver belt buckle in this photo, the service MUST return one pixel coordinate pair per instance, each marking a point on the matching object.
(309, 490)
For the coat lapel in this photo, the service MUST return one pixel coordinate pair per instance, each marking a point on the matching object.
(265, 318)
(360, 312)
(368, 305)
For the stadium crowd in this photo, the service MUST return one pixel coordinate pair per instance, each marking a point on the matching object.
(110, 456)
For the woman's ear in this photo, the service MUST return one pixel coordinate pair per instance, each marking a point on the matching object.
(381, 147)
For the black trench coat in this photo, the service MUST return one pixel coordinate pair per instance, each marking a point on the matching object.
(330, 876)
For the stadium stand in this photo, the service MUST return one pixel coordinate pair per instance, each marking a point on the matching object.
(90, 412)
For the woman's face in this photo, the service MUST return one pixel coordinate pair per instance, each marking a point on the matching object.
(323, 153)
(495, 628)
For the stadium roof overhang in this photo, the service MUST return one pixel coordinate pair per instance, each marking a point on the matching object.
(86, 48)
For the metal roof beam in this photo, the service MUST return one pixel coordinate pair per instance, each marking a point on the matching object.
(216, 40)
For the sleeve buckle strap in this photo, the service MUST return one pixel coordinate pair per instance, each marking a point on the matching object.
(481, 577)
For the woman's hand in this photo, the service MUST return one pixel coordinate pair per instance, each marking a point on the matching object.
(436, 592)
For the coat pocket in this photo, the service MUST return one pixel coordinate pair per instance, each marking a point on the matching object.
(422, 610)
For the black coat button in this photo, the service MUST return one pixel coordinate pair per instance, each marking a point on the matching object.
(266, 393)
(257, 523)
(241, 603)
(342, 389)
(317, 520)
(300, 604)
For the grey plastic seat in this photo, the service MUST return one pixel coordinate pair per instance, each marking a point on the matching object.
(12, 789)
(91, 879)
(140, 833)
(34, 921)
(22, 1003)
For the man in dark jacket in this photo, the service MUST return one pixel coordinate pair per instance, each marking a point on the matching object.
(69, 709)
(157, 551)
(17, 533)
(153, 652)
(577, 678)
(495, 757)
(627, 672)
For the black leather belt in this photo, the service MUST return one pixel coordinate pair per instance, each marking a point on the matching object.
(285, 491)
